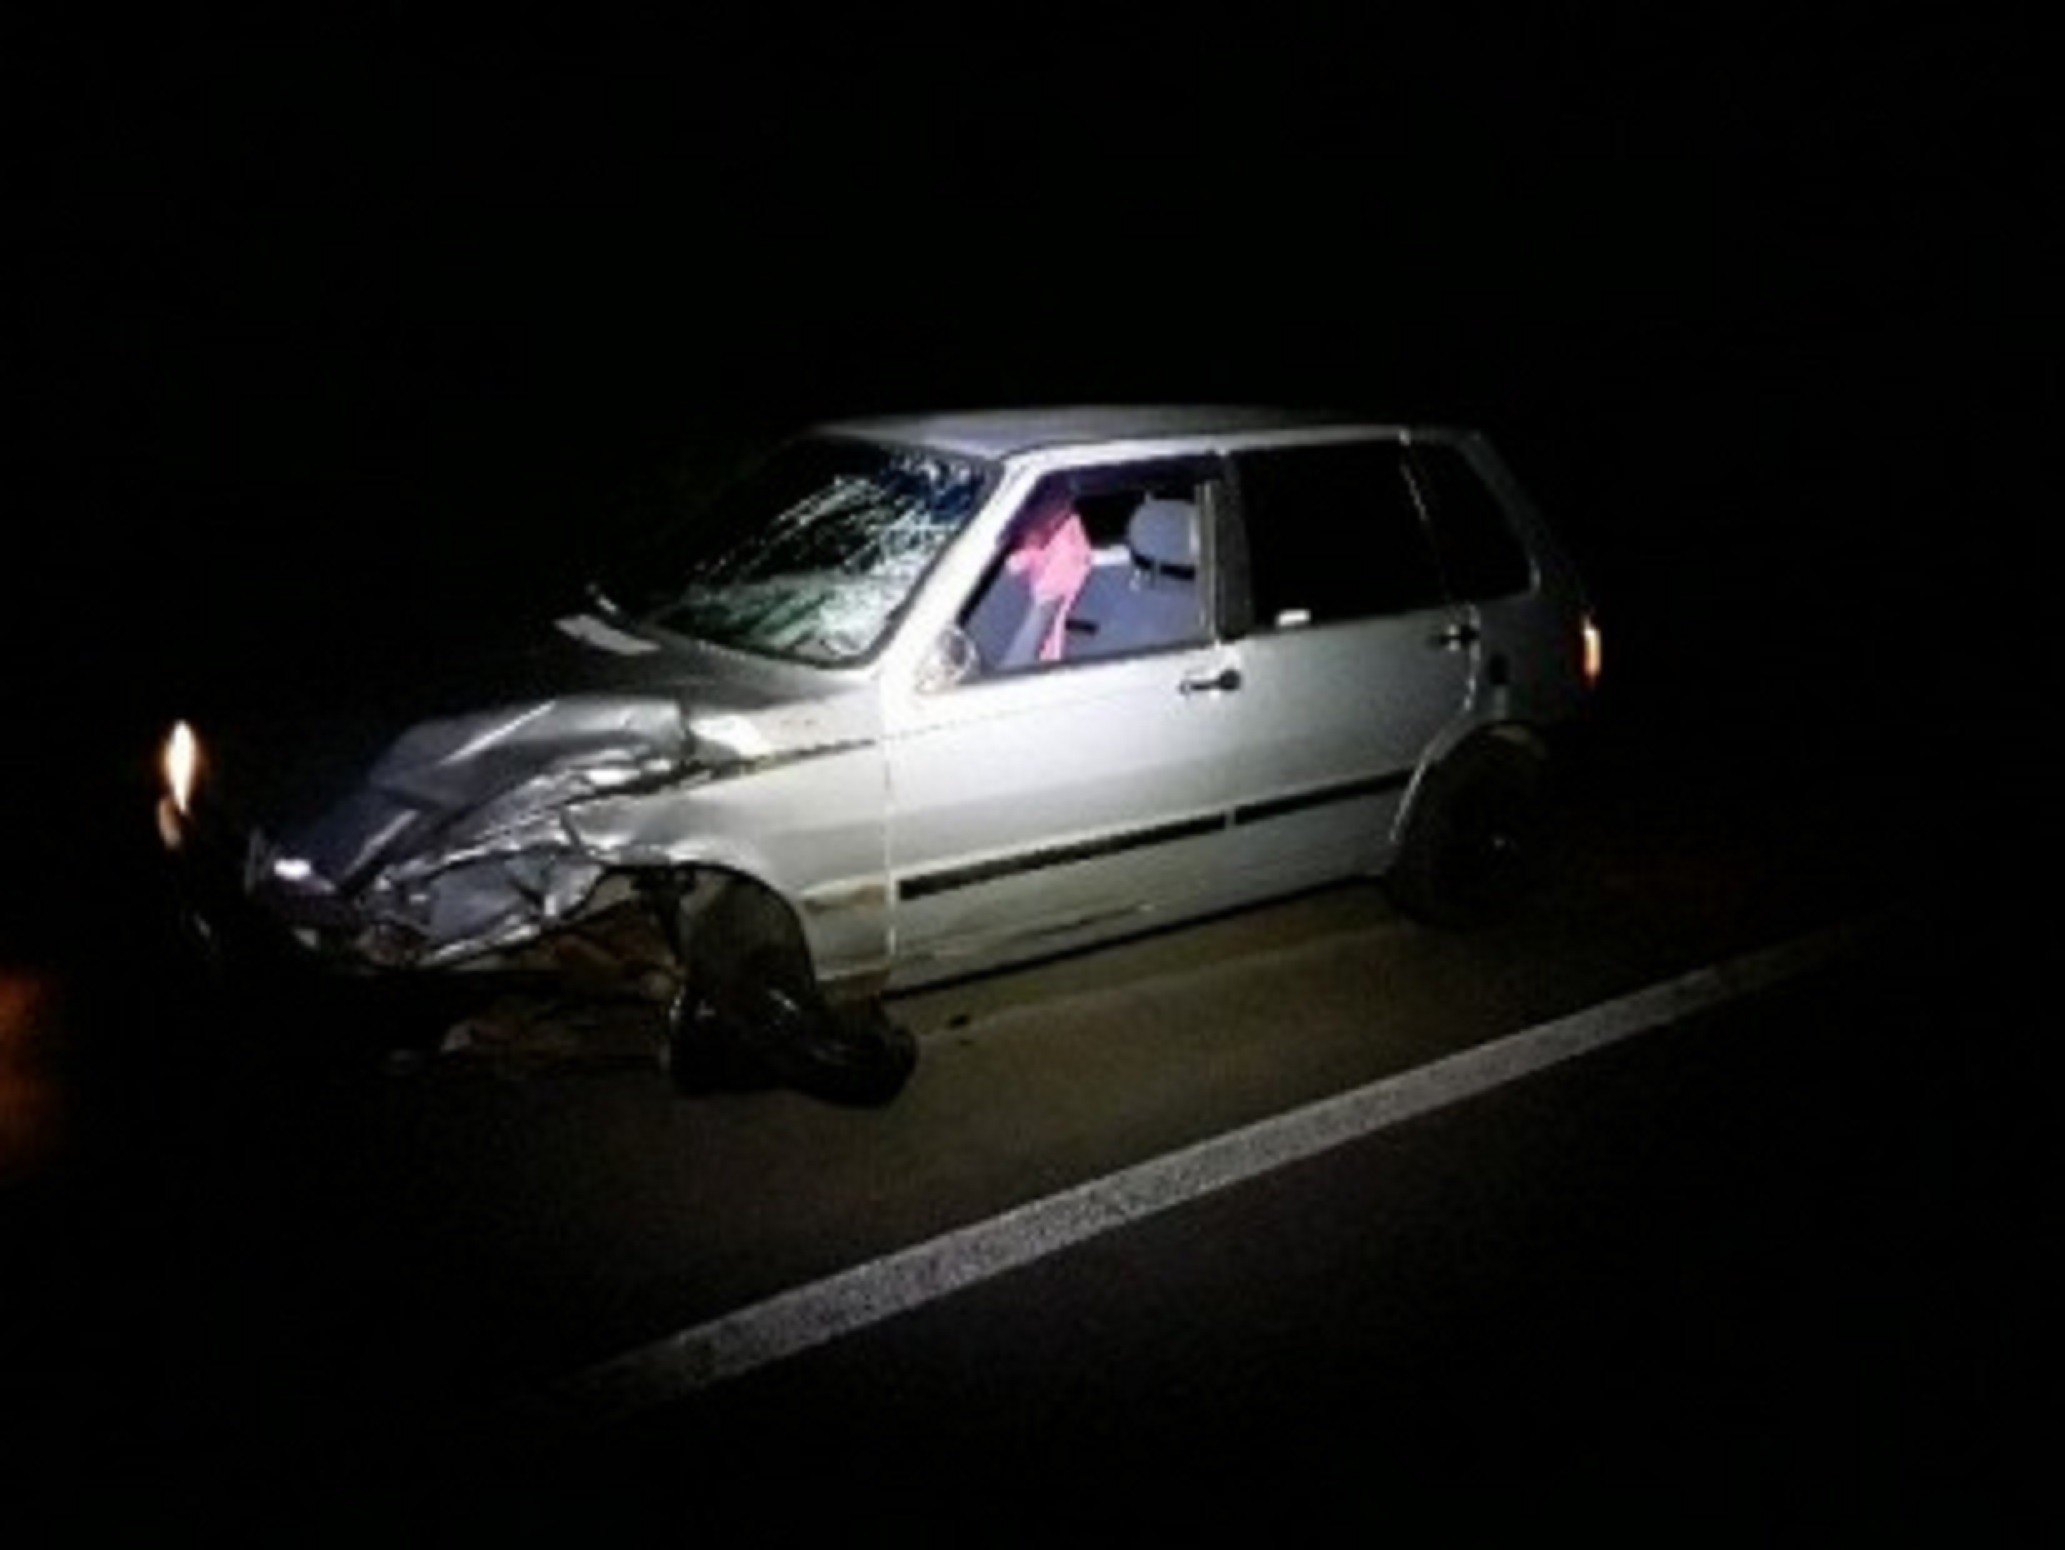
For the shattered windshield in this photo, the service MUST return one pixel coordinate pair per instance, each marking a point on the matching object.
(811, 556)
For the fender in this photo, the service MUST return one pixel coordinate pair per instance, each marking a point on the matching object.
(1463, 733)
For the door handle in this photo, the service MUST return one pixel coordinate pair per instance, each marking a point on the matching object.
(1225, 681)
(1454, 637)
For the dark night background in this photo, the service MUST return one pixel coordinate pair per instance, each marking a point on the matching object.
(318, 335)
(327, 344)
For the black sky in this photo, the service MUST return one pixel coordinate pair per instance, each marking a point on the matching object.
(304, 316)
(797, 212)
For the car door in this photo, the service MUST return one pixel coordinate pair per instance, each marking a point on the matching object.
(1353, 660)
(1070, 784)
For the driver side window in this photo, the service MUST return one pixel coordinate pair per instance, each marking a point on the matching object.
(1101, 563)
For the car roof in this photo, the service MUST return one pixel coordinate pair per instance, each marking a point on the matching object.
(1002, 433)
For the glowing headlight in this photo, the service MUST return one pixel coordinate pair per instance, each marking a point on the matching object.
(182, 766)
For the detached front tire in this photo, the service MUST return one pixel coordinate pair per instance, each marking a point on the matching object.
(1471, 849)
(754, 1017)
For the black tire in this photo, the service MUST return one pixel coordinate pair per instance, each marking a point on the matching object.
(860, 1057)
(1471, 850)
(704, 1053)
(762, 1022)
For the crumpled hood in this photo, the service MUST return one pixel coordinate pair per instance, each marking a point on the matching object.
(453, 820)
(292, 745)
(464, 778)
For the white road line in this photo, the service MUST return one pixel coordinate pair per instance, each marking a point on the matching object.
(804, 1317)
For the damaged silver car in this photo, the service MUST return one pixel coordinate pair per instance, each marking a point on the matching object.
(927, 695)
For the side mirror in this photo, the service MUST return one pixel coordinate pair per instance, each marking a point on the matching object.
(952, 660)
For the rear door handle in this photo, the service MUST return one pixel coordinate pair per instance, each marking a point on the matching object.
(1225, 681)
(1455, 636)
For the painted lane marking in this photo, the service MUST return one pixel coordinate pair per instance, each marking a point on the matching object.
(795, 1321)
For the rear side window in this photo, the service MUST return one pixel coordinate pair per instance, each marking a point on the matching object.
(1481, 556)
(1334, 533)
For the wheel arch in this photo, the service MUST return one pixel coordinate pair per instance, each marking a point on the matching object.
(1518, 736)
(713, 911)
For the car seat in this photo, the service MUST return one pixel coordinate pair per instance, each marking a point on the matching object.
(1151, 602)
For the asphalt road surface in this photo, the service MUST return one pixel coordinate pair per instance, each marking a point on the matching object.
(1774, 1257)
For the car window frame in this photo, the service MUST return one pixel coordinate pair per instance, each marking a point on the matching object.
(1209, 477)
(1240, 537)
(1446, 533)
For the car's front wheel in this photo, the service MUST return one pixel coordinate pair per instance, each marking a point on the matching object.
(750, 1014)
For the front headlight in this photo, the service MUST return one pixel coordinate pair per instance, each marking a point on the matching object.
(180, 763)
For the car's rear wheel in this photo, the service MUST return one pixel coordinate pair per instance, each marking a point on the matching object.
(1471, 849)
